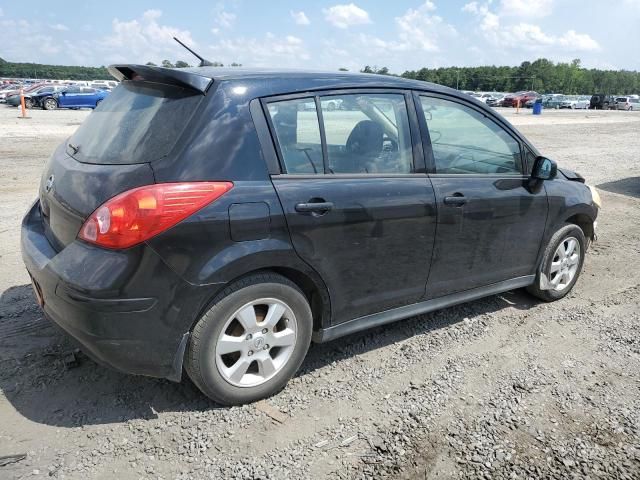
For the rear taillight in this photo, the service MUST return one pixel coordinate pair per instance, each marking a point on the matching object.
(138, 214)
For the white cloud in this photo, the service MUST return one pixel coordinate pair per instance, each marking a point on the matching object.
(143, 40)
(225, 19)
(490, 22)
(578, 41)
(523, 35)
(526, 8)
(24, 41)
(471, 7)
(59, 27)
(420, 28)
(344, 16)
(300, 18)
(270, 50)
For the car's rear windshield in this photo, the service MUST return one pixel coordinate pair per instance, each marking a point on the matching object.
(621, 99)
(137, 122)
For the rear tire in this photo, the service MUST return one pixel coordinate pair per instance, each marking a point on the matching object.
(28, 103)
(49, 104)
(560, 272)
(229, 356)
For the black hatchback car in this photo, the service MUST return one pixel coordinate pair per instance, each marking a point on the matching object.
(218, 221)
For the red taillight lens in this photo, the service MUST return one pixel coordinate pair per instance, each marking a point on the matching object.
(138, 214)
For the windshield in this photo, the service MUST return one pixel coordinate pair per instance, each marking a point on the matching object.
(138, 122)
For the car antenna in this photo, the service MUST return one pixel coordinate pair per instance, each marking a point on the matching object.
(203, 62)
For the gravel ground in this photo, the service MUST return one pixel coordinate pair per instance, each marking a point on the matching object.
(501, 388)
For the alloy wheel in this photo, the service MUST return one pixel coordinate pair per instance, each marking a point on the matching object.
(564, 264)
(256, 342)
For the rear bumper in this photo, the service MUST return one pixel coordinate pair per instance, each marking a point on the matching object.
(127, 309)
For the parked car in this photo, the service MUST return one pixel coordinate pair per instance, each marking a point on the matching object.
(25, 89)
(553, 101)
(330, 105)
(575, 102)
(223, 232)
(103, 85)
(600, 101)
(482, 96)
(627, 103)
(529, 103)
(34, 97)
(100, 86)
(512, 99)
(74, 98)
(496, 100)
(109, 84)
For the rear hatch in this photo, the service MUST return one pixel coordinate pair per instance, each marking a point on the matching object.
(111, 152)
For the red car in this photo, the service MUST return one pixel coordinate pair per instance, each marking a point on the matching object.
(511, 100)
(29, 89)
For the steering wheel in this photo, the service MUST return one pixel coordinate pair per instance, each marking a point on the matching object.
(389, 145)
(461, 158)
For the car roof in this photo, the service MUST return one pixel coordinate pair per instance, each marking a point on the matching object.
(291, 80)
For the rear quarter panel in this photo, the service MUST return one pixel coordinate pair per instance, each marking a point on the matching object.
(211, 247)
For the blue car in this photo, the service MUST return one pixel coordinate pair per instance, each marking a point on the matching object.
(74, 97)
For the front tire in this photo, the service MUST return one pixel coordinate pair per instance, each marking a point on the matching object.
(251, 341)
(561, 264)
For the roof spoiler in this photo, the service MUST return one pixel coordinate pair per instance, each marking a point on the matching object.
(168, 76)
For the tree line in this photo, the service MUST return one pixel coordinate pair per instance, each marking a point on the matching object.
(58, 72)
(183, 64)
(69, 72)
(542, 75)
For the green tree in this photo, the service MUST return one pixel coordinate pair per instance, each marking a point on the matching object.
(151, 64)
(167, 64)
(182, 64)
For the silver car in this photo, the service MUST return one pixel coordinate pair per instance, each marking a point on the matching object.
(627, 103)
(575, 101)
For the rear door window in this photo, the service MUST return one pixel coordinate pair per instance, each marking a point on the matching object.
(138, 122)
(368, 133)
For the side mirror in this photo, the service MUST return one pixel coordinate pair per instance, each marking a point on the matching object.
(544, 169)
(63, 93)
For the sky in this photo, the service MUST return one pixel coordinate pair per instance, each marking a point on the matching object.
(399, 34)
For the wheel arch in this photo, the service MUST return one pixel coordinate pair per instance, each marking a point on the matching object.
(585, 222)
(307, 281)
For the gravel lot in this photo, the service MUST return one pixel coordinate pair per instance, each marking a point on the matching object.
(504, 387)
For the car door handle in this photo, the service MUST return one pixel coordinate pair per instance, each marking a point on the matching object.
(456, 200)
(314, 207)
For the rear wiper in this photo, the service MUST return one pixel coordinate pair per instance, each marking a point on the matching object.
(75, 148)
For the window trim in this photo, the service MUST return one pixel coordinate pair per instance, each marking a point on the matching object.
(428, 148)
(417, 150)
(323, 135)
